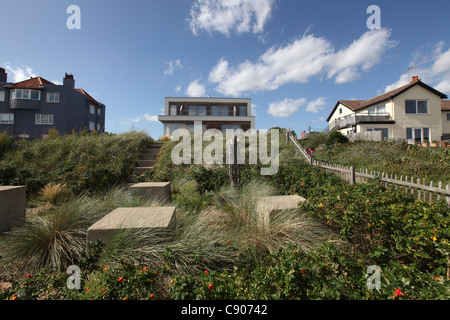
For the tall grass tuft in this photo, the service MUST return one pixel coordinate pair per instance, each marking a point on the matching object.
(245, 223)
(56, 237)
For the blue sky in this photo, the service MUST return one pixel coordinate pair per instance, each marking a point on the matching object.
(294, 58)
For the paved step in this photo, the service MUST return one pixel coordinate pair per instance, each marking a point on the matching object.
(160, 220)
(152, 190)
(142, 170)
(145, 163)
(267, 206)
(152, 151)
(149, 156)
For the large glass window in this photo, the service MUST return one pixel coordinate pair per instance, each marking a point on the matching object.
(219, 110)
(418, 134)
(416, 106)
(381, 109)
(243, 111)
(6, 118)
(173, 110)
(92, 109)
(26, 94)
(2, 95)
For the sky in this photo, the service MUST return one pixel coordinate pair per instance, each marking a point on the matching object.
(295, 59)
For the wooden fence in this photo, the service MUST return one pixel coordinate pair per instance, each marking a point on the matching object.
(416, 187)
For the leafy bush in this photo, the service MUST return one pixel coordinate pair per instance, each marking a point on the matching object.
(211, 179)
(81, 162)
(335, 137)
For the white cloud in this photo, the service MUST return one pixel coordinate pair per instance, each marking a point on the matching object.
(172, 66)
(300, 60)
(432, 68)
(316, 105)
(226, 16)
(286, 107)
(150, 117)
(137, 119)
(19, 73)
(195, 89)
(178, 88)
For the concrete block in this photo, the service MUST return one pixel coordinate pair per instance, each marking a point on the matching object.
(160, 220)
(153, 190)
(267, 206)
(13, 201)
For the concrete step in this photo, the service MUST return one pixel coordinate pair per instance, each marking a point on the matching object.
(149, 156)
(141, 170)
(152, 190)
(145, 163)
(152, 151)
(136, 178)
(159, 220)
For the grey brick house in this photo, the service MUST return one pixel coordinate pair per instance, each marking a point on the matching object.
(30, 108)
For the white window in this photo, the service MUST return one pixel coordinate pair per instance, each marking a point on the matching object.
(381, 109)
(99, 126)
(91, 126)
(26, 94)
(2, 95)
(24, 136)
(416, 106)
(44, 119)
(99, 112)
(53, 97)
(6, 118)
(92, 109)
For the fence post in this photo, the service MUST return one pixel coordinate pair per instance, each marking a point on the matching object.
(352, 175)
(287, 135)
(448, 197)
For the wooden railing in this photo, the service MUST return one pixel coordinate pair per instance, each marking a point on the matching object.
(416, 187)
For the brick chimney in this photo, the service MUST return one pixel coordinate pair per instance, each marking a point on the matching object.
(3, 75)
(69, 81)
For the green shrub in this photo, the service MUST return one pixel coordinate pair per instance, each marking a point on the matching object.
(335, 137)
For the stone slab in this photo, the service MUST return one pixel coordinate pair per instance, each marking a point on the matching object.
(13, 201)
(158, 219)
(266, 206)
(153, 190)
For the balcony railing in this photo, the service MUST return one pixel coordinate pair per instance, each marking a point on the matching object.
(349, 121)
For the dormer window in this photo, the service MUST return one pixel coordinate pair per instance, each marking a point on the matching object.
(26, 94)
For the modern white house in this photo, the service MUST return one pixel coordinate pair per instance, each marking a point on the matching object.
(412, 112)
(214, 113)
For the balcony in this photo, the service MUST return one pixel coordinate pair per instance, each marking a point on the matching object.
(355, 119)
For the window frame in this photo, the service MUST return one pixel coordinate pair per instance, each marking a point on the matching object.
(54, 94)
(422, 134)
(417, 107)
(49, 117)
(9, 121)
(93, 126)
(22, 91)
(2, 96)
(92, 107)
